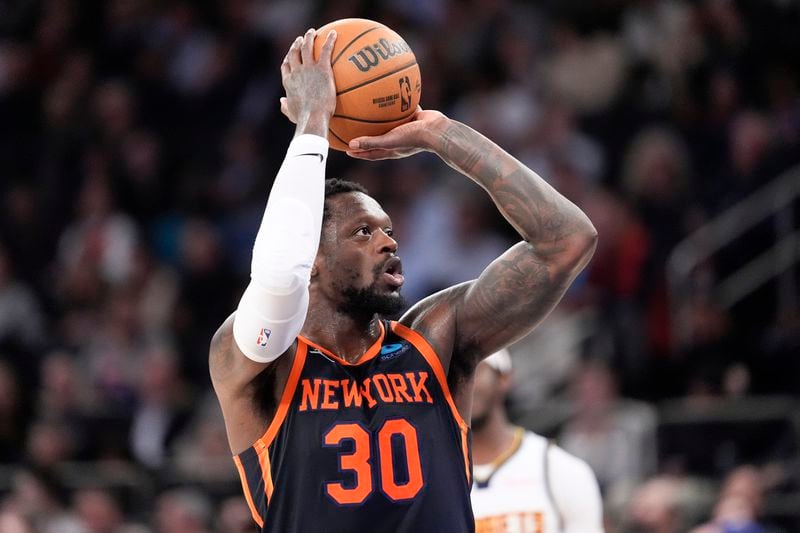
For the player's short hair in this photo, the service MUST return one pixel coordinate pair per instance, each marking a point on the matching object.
(334, 186)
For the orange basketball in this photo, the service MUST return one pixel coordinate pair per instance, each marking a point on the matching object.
(377, 78)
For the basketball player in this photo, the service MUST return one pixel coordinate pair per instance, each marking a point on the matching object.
(341, 420)
(522, 482)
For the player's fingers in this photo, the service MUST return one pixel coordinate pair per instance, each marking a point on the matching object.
(293, 56)
(327, 48)
(388, 140)
(372, 155)
(360, 144)
(307, 48)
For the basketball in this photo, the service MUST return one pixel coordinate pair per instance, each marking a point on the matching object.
(378, 84)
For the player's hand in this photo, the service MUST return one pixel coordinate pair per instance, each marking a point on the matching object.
(309, 86)
(404, 140)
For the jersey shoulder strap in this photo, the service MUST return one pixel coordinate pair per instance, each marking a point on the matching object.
(548, 489)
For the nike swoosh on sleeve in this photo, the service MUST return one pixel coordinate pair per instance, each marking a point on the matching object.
(321, 158)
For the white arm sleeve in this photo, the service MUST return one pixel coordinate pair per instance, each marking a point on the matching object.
(576, 493)
(273, 307)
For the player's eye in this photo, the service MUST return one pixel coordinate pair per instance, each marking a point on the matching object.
(363, 230)
(389, 232)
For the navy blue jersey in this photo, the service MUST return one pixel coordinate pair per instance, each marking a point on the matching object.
(372, 446)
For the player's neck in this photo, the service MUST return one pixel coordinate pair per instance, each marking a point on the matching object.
(493, 439)
(347, 336)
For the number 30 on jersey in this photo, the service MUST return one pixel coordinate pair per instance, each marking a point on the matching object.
(397, 432)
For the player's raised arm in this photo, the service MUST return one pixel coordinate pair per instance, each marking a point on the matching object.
(274, 304)
(522, 286)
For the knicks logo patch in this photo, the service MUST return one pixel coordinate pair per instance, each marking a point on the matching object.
(390, 351)
(263, 337)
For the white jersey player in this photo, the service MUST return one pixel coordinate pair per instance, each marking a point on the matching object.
(522, 482)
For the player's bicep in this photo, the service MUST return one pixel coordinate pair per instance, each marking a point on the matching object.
(512, 295)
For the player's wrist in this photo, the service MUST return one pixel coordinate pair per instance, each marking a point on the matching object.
(434, 134)
(314, 122)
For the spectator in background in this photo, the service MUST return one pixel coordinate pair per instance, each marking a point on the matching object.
(739, 505)
(655, 507)
(37, 498)
(616, 281)
(50, 443)
(182, 511)
(97, 510)
(21, 318)
(25, 239)
(201, 452)
(233, 516)
(12, 521)
(64, 393)
(206, 288)
(162, 407)
(656, 180)
(616, 437)
(101, 240)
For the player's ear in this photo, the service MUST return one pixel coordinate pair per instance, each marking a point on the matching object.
(505, 383)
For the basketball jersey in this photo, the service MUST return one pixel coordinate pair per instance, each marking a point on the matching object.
(515, 495)
(376, 445)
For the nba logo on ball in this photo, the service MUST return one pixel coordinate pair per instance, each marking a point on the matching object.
(263, 337)
(405, 94)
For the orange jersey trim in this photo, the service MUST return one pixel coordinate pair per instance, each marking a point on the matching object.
(369, 354)
(430, 356)
(246, 489)
(266, 471)
(286, 397)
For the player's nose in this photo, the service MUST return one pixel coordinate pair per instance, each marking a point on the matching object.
(386, 243)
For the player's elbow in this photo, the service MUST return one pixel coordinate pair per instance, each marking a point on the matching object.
(578, 249)
(587, 243)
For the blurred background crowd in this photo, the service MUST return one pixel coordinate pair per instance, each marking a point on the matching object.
(138, 142)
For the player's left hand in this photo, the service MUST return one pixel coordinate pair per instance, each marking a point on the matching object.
(404, 140)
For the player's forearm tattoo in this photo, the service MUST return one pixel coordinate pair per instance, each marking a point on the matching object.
(537, 211)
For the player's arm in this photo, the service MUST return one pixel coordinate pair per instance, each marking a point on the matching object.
(522, 286)
(575, 492)
(274, 304)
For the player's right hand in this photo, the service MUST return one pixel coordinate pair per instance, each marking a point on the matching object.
(406, 139)
(309, 86)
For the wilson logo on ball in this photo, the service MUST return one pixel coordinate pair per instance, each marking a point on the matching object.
(371, 56)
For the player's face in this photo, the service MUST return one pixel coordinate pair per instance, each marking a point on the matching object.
(358, 263)
(488, 393)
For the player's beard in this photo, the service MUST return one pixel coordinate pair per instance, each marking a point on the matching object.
(368, 301)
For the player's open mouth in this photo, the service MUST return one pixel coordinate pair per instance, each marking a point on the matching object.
(393, 272)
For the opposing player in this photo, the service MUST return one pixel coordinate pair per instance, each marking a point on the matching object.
(339, 419)
(523, 482)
